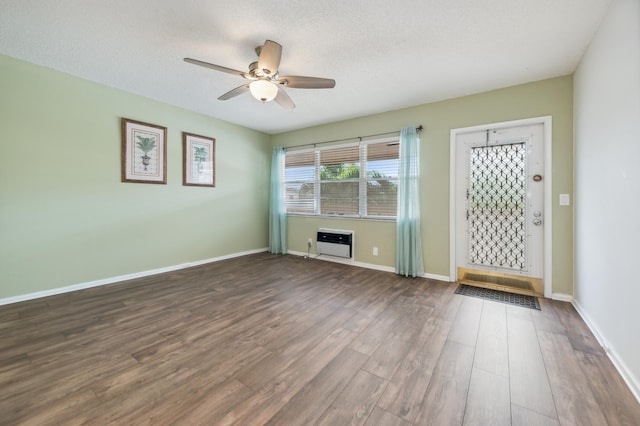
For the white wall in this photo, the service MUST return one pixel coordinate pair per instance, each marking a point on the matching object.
(607, 187)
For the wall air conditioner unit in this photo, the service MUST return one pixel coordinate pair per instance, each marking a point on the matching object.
(335, 242)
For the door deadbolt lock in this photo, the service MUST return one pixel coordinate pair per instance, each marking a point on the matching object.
(537, 222)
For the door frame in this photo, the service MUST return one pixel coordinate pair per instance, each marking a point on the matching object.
(548, 198)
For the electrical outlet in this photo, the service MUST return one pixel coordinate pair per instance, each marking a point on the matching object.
(375, 251)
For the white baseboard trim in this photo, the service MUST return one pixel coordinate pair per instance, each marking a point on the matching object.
(562, 297)
(361, 264)
(444, 278)
(120, 278)
(632, 382)
(345, 261)
(373, 266)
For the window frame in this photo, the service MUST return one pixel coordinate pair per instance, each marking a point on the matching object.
(363, 179)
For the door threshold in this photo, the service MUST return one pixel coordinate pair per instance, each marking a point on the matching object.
(500, 281)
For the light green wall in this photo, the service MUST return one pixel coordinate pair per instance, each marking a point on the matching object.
(65, 217)
(384, 237)
(548, 97)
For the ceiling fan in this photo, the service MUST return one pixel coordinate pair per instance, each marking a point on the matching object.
(266, 84)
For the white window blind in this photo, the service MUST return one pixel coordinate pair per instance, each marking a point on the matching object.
(299, 177)
(340, 181)
(357, 180)
(382, 178)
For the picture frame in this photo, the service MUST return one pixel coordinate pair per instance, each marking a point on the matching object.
(144, 152)
(199, 160)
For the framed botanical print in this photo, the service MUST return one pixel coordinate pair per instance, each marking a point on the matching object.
(144, 152)
(199, 160)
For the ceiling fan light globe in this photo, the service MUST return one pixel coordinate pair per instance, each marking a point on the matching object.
(263, 90)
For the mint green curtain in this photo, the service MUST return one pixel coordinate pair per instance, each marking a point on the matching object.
(277, 210)
(409, 261)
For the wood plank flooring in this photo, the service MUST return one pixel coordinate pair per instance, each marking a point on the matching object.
(283, 340)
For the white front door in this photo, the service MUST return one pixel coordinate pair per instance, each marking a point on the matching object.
(499, 206)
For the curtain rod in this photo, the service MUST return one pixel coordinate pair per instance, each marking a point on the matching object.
(418, 128)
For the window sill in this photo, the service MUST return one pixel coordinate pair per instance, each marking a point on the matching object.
(343, 216)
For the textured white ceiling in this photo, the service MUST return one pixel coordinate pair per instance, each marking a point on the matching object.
(383, 54)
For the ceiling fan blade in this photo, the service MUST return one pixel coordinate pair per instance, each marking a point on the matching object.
(234, 92)
(215, 67)
(300, 82)
(283, 99)
(269, 58)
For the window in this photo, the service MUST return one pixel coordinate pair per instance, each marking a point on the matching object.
(299, 177)
(382, 178)
(340, 181)
(356, 180)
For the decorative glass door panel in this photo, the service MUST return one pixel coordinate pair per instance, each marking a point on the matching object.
(496, 206)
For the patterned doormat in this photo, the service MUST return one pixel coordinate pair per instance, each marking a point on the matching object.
(499, 296)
